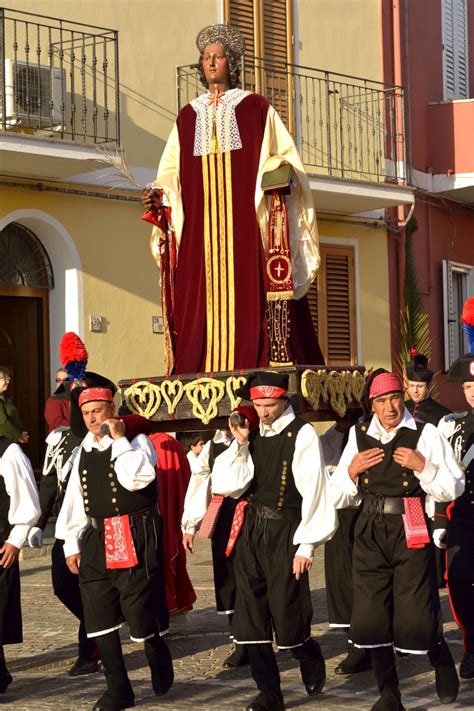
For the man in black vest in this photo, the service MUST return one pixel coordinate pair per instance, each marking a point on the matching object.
(389, 465)
(288, 513)
(112, 532)
(19, 509)
(198, 496)
(458, 428)
(423, 407)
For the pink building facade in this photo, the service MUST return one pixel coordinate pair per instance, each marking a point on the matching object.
(428, 47)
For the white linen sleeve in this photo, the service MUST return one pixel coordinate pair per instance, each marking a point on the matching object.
(318, 514)
(198, 493)
(442, 477)
(72, 519)
(233, 471)
(134, 462)
(20, 484)
(343, 491)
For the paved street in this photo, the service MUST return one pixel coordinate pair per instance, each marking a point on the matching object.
(199, 644)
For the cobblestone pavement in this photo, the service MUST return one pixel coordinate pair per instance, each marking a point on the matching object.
(199, 644)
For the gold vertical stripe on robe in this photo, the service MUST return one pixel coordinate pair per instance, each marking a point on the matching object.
(222, 264)
(219, 261)
(215, 262)
(230, 261)
(207, 263)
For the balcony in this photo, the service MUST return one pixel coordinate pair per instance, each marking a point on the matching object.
(451, 149)
(349, 131)
(59, 95)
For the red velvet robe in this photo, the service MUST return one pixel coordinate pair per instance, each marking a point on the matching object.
(238, 326)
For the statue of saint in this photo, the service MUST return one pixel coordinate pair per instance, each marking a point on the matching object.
(235, 261)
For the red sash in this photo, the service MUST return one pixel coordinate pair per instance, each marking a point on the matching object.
(210, 519)
(119, 546)
(414, 521)
(237, 523)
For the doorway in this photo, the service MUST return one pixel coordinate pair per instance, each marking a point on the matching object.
(25, 280)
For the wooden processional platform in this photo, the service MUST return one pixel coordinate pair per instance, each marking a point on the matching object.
(204, 401)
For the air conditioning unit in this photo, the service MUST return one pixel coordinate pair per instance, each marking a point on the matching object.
(34, 94)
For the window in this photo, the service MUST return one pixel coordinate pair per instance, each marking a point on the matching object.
(455, 49)
(267, 28)
(458, 285)
(23, 259)
(332, 305)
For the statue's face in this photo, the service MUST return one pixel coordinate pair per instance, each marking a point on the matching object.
(215, 64)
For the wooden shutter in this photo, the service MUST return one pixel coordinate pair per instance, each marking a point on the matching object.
(240, 13)
(332, 305)
(455, 49)
(276, 45)
(267, 28)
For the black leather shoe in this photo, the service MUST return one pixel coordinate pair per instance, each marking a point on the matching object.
(266, 702)
(389, 701)
(356, 661)
(5, 681)
(314, 677)
(238, 658)
(84, 666)
(447, 681)
(108, 703)
(161, 667)
(466, 670)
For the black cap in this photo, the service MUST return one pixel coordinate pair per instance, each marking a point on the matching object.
(462, 370)
(90, 380)
(264, 378)
(417, 369)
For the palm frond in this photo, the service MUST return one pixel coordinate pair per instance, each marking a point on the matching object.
(115, 158)
(414, 329)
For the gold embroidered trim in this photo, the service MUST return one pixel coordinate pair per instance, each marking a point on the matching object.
(222, 264)
(230, 261)
(279, 295)
(215, 263)
(207, 263)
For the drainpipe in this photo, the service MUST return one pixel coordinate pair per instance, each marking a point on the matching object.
(399, 210)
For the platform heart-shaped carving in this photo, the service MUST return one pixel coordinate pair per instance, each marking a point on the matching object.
(143, 398)
(205, 394)
(231, 385)
(172, 391)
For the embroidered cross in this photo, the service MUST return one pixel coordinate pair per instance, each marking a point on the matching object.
(215, 99)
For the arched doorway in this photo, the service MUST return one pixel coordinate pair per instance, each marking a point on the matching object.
(26, 277)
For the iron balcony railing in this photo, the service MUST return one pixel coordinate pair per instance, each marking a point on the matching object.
(58, 78)
(343, 126)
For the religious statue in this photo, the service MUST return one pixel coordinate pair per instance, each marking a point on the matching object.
(235, 261)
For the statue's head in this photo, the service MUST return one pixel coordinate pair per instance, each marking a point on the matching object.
(220, 50)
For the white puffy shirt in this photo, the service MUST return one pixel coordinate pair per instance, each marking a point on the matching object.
(318, 524)
(20, 484)
(134, 464)
(441, 478)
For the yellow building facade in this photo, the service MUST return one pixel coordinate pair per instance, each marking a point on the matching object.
(88, 220)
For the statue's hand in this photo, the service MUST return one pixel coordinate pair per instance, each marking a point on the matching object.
(152, 199)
